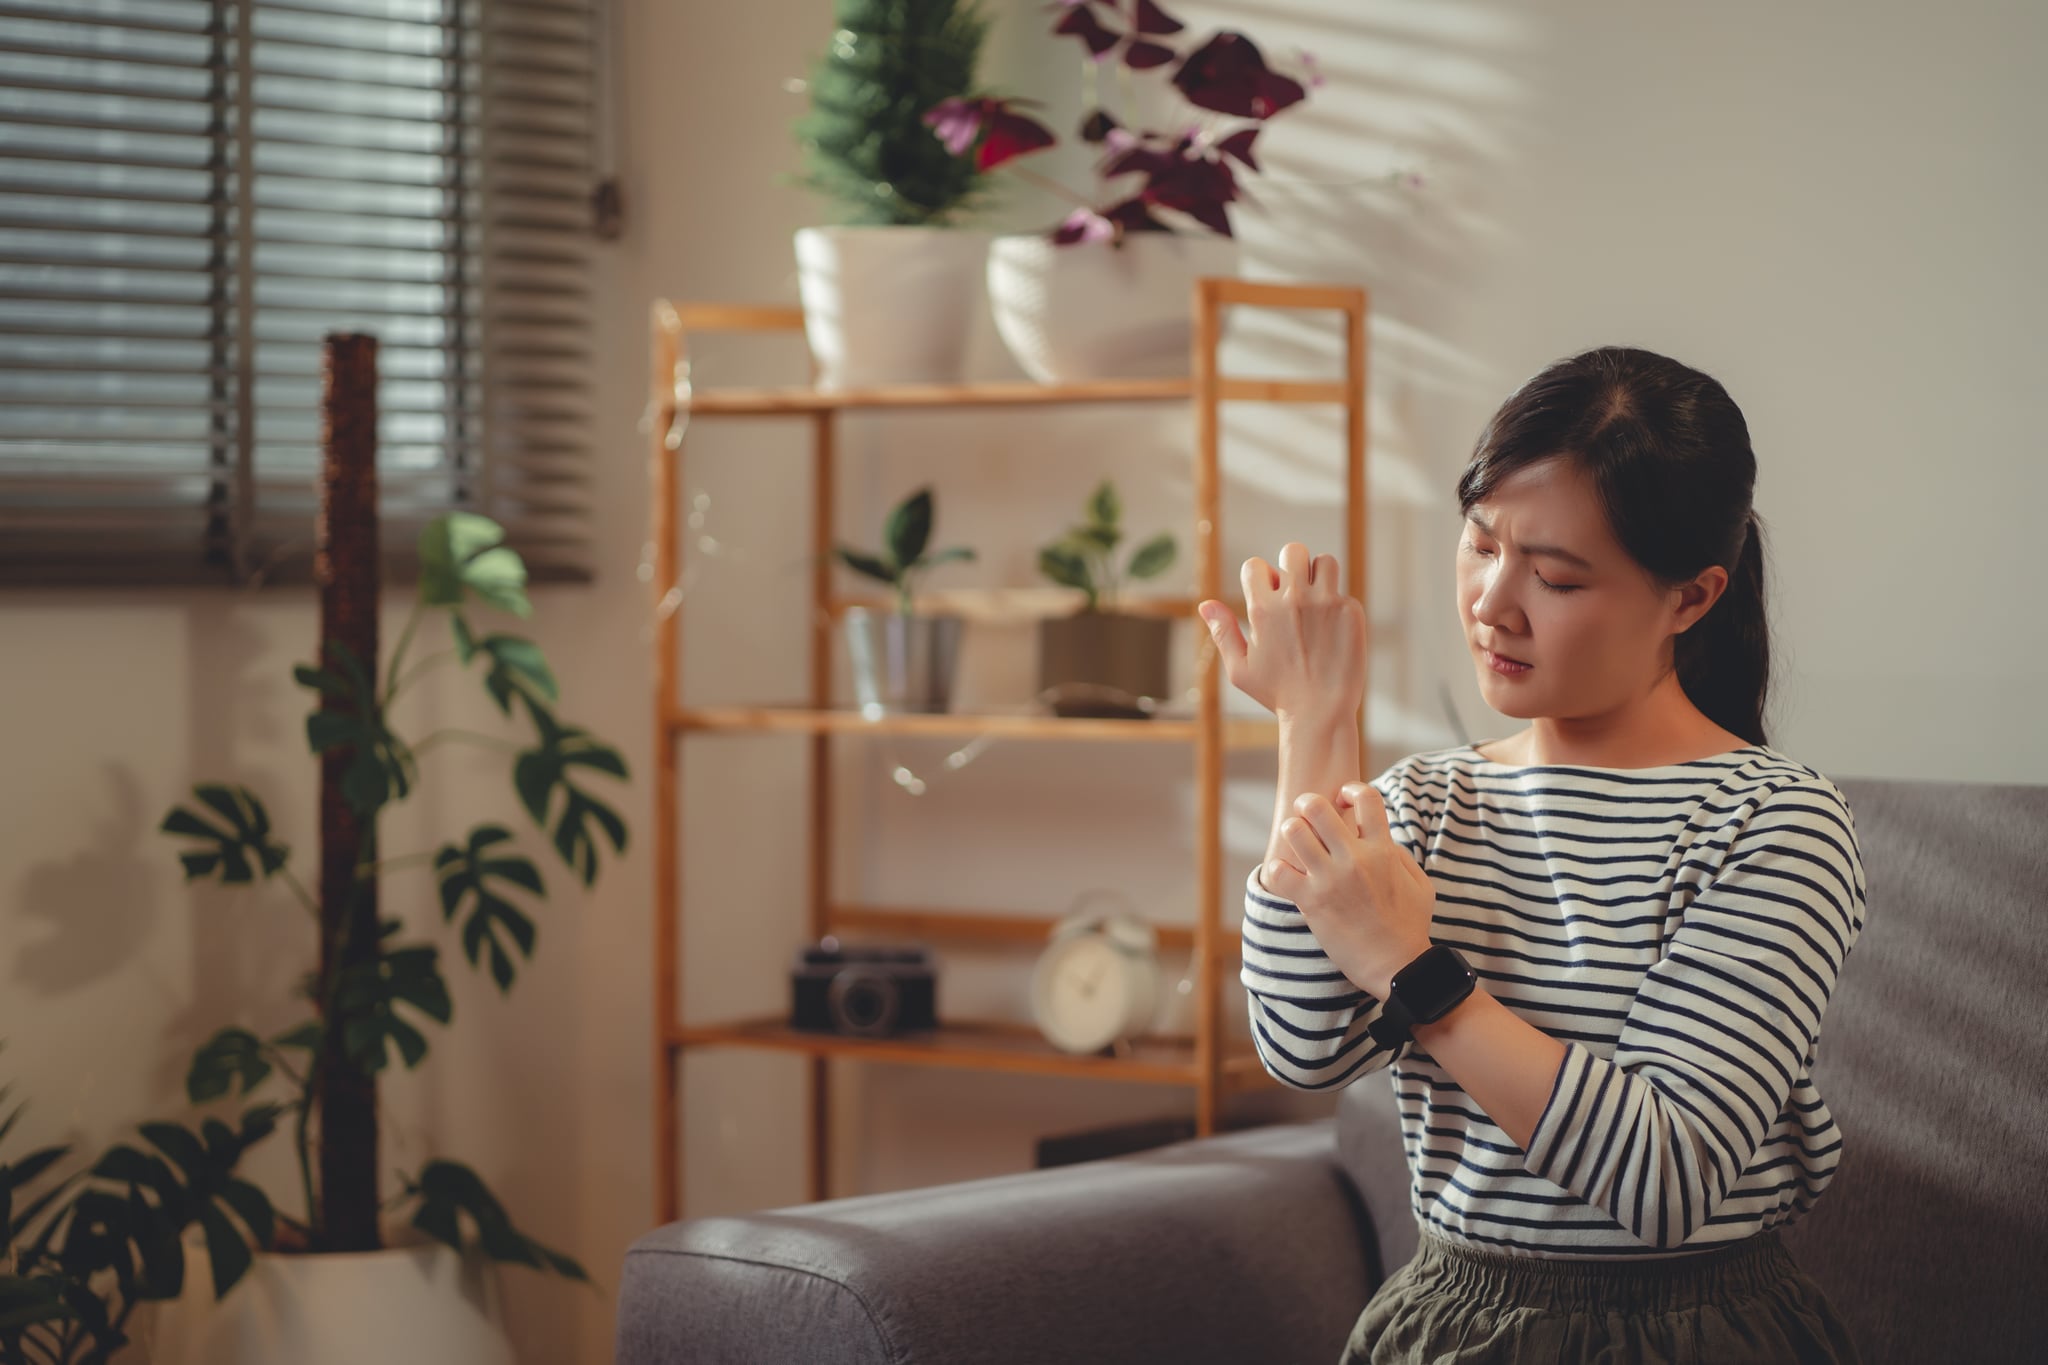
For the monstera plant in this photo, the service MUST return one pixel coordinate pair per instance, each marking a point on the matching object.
(377, 984)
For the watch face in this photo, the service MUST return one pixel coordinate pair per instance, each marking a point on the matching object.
(1433, 982)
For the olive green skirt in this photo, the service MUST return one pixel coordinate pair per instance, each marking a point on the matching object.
(1746, 1303)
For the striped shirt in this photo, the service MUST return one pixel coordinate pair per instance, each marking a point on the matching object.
(1678, 928)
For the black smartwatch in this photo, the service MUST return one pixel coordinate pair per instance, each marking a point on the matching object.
(1422, 992)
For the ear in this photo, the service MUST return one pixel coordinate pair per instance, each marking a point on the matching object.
(1696, 597)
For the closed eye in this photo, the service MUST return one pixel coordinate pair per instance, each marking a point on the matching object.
(1554, 587)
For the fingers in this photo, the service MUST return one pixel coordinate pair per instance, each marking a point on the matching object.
(1366, 808)
(1261, 581)
(1306, 844)
(1297, 569)
(1332, 826)
(1282, 878)
(1223, 629)
(1294, 566)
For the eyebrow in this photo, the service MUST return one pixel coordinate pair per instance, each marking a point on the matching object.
(1554, 551)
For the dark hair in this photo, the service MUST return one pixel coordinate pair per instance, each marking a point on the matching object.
(1668, 452)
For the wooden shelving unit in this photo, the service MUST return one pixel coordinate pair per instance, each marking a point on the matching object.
(1202, 1060)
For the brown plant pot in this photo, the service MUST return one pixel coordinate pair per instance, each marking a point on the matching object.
(1099, 663)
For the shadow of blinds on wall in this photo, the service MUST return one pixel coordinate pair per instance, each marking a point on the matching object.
(194, 192)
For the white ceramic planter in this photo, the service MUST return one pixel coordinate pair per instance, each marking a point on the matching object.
(890, 305)
(1096, 311)
(420, 1304)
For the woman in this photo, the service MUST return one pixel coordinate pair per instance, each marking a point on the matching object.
(1608, 1133)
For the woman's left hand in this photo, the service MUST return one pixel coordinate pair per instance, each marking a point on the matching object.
(1368, 903)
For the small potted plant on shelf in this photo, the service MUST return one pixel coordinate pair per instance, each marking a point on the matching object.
(903, 661)
(1102, 662)
(1107, 291)
(890, 291)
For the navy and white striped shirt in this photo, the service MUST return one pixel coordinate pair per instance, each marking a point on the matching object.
(1679, 928)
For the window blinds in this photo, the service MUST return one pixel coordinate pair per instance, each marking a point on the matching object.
(194, 192)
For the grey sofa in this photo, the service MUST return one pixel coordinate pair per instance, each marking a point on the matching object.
(1263, 1245)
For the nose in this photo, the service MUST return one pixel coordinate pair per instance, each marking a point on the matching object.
(1494, 606)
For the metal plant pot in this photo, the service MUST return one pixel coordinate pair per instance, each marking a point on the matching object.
(1101, 663)
(901, 663)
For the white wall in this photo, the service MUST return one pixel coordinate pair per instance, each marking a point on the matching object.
(1821, 205)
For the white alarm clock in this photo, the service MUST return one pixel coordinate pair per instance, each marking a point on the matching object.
(1097, 981)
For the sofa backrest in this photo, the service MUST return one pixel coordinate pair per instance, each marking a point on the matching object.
(1933, 1057)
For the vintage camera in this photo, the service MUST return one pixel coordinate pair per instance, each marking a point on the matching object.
(869, 991)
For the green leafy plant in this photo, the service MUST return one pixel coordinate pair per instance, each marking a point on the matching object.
(864, 141)
(83, 1251)
(1084, 557)
(375, 991)
(903, 558)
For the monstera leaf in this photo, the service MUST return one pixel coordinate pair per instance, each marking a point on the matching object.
(235, 1054)
(29, 1299)
(140, 1237)
(462, 553)
(369, 995)
(540, 772)
(467, 873)
(230, 1055)
(517, 666)
(379, 761)
(17, 1176)
(448, 1189)
(240, 846)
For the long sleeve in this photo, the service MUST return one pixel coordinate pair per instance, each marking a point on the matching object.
(1721, 1028)
(1308, 1019)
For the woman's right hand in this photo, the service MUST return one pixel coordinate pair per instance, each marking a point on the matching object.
(1306, 656)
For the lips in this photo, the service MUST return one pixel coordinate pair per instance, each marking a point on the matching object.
(1506, 658)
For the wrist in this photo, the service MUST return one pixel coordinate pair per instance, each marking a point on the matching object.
(1437, 1028)
(1318, 727)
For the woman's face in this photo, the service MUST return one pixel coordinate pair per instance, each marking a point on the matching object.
(1542, 580)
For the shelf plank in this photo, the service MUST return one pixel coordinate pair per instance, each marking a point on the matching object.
(800, 399)
(975, 1045)
(974, 926)
(1237, 734)
(1243, 390)
(1011, 606)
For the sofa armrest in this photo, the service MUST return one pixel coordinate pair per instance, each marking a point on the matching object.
(1244, 1247)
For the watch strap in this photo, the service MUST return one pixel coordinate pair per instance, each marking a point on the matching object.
(1396, 1024)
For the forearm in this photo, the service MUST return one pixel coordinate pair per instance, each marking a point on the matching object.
(1506, 1064)
(1317, 754)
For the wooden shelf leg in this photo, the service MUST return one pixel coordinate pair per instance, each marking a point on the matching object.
(663, 476)
(1209, 735)
(824, 499)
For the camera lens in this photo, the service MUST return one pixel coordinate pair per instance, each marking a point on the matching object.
(863, 1001)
